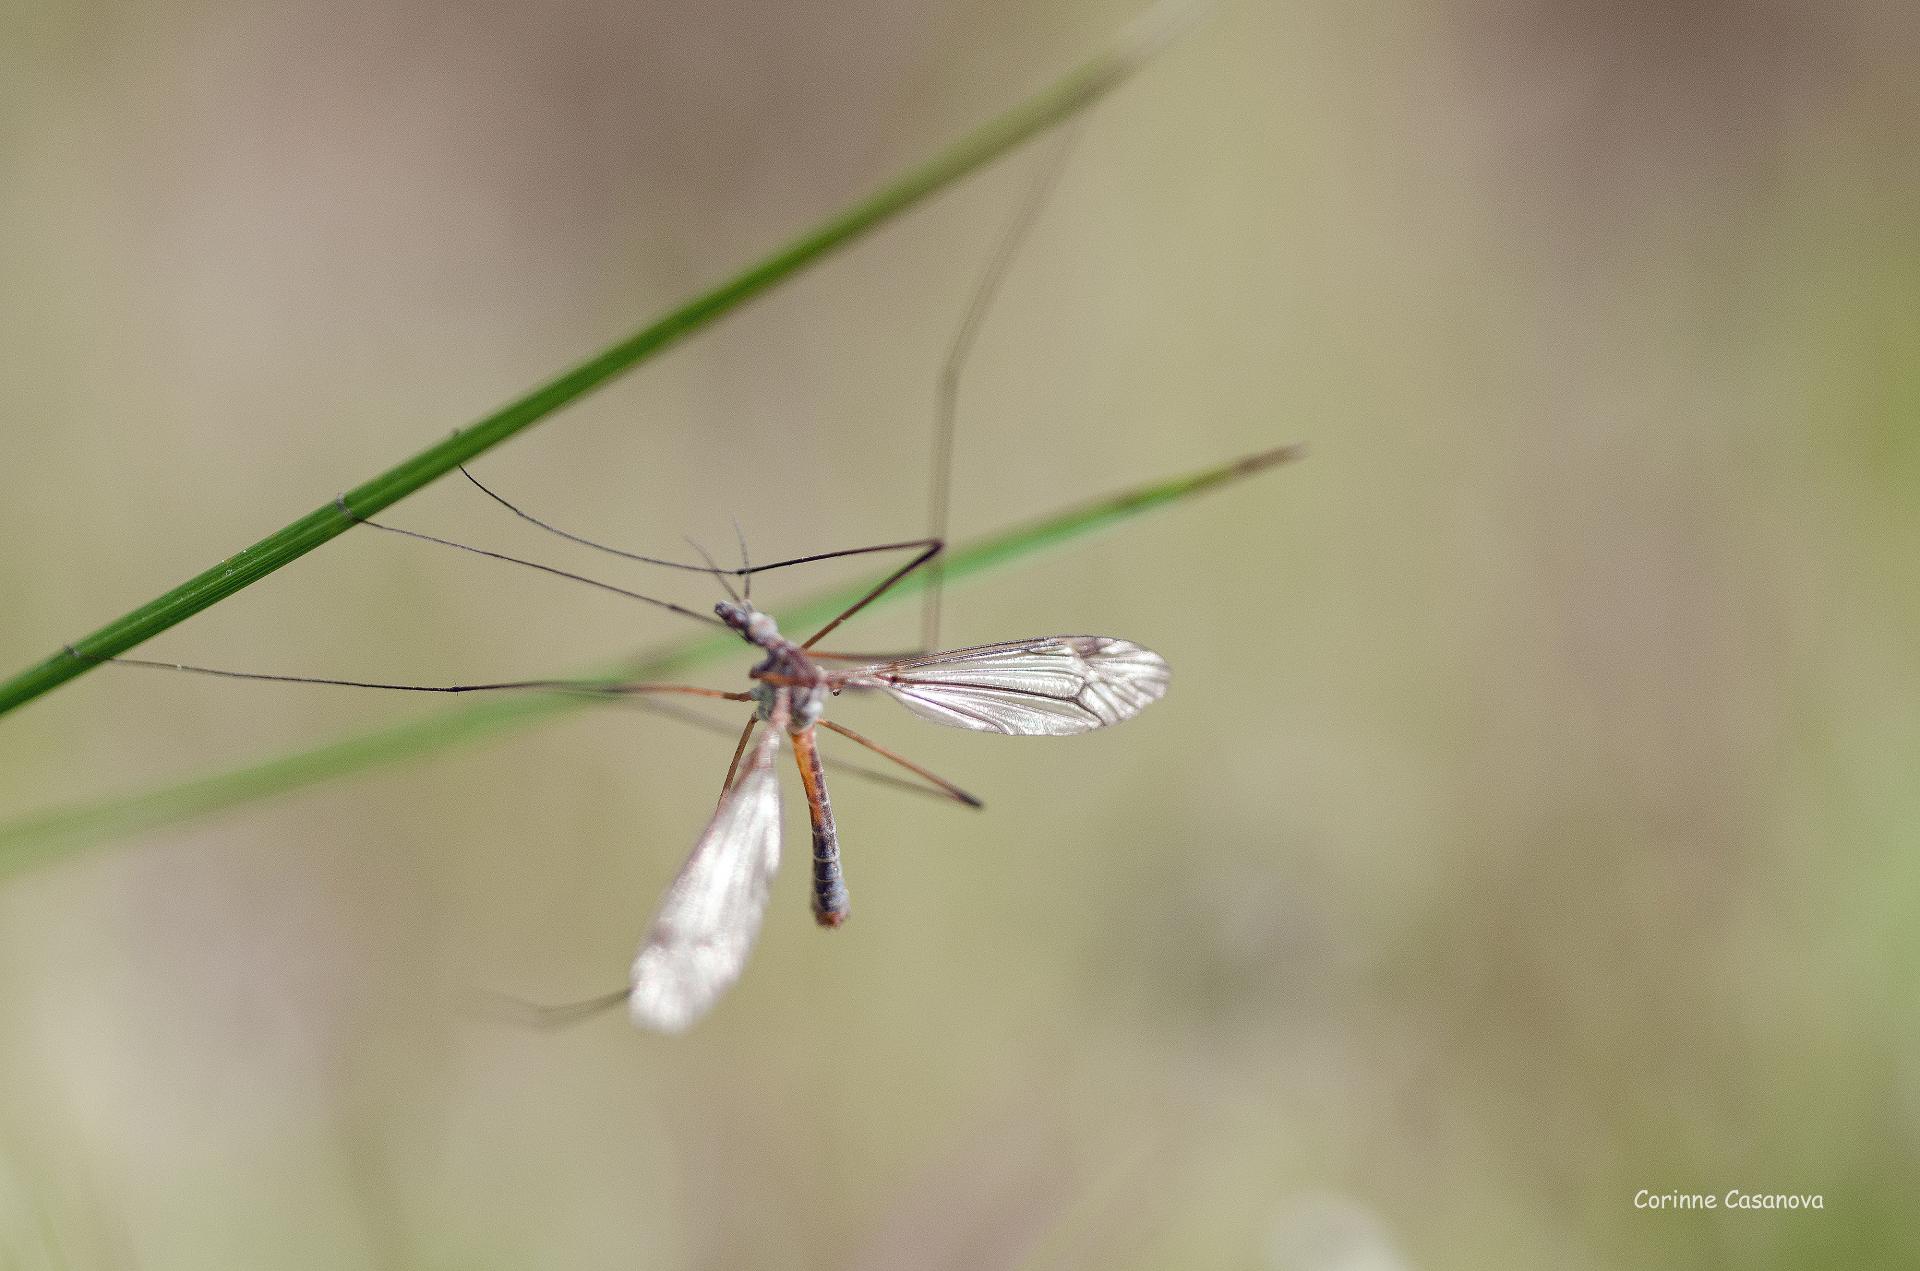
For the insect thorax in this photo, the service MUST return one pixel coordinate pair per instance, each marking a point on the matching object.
(806, 704)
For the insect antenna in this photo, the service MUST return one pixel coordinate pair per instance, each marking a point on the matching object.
(746, 563)
(713, 568)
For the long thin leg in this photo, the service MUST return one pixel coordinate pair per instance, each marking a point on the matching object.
(668, 605)
(745, 571)
(695, 719)
(733, 768)
(595, 688)
(943, 786)
(928, 549)
(829, 888)
(933, 547)
(946, 413)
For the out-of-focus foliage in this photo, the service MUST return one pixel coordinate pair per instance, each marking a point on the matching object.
(1531, 821)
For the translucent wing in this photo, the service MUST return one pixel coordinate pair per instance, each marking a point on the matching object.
(1050, 686)
(707, 924)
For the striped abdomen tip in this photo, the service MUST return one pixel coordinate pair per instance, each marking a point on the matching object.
(832, 915)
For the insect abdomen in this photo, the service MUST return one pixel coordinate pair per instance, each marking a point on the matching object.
(830, 905)
(829, 890)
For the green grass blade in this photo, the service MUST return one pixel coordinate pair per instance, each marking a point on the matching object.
(51, 835)
(1063, 99)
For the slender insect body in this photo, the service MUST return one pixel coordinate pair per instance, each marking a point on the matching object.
(790, 690)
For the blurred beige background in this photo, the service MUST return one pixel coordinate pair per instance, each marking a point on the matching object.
(1532, 821)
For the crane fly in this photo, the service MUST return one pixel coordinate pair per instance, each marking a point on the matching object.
(697, 945)
(1047, 686)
